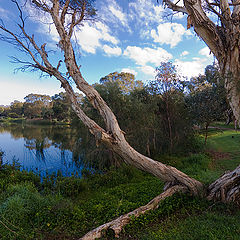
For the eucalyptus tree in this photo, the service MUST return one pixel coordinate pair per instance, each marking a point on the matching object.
(66, 16)
(126, 81)
(217, 23)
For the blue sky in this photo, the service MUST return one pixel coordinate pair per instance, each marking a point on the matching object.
(130, 35)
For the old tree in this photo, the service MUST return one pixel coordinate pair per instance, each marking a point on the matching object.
(67, 16)
(222, 38)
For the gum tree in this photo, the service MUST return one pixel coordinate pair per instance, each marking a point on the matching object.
(66, 16)
(217, 23)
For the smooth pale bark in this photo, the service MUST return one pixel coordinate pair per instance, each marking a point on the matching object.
(226, 49)
(113, 136)
(231, 70)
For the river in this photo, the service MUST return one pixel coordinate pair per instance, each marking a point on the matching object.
(42, 149)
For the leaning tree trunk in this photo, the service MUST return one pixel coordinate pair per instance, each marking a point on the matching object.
(65, 19)
(112, 136)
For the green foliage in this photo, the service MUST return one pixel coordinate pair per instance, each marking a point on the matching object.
(125, 81)
(155, 121)
(207, 101)
(70, 186)
(66, 208)
(208, 225)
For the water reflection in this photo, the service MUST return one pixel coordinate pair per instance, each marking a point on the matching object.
(42, 148)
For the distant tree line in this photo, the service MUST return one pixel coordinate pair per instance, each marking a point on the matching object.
(38, 106)
(163, 111)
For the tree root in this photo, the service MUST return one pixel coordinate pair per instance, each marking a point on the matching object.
(226, 188)
(118, 224)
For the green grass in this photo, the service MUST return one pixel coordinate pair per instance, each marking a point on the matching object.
(227, 143)
(209, 226)
(67, 208)
(223, 125)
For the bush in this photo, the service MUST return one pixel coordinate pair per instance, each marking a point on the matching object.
(71, 186)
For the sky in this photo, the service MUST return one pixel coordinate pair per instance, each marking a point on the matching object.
(129, 36)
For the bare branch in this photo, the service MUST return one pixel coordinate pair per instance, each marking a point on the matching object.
(18, 41)
(64, 11)
(213, 10)
(73, 23)
(20, 12)
(175, 7)
(42, 6)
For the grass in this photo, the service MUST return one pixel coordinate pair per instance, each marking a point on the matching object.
(227, 143)
(209, 226)
(66, 208)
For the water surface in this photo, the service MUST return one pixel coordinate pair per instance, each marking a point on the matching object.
(41, 148)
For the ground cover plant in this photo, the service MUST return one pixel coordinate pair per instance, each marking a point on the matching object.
(66, 208)
(66, 16)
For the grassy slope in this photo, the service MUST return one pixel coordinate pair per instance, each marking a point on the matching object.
(30, 209)
(203, 220)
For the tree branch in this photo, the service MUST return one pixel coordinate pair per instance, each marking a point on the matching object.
(213, 10)
(118, 224)
(64, 11)
(175, 7)
(42, 6)
(225, 9)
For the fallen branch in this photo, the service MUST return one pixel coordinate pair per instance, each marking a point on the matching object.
(118, 224)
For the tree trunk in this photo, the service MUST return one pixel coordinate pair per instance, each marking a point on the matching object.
(113, 136)
(206, 133)
(226, 188)
(225, 48)
(230, 68)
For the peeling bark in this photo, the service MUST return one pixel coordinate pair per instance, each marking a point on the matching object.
(222, 38)
(223, 41)
(226, 188)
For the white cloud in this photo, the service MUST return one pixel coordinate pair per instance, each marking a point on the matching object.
(4, 13)
(129, 70)
(184, 53)
(105, 33)
(191, 68)
(118, 13)
(179, 15)
(115, 51)
(169, 33)
(206, 52)
(148, 70)
(110, 12)
(144, 13)
(90, 37)
(142, 56)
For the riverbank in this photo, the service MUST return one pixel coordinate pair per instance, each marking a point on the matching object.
(68, 207)
(37, 121)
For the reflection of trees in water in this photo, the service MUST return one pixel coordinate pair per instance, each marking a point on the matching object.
(39, 146)
(14, 129)
(77, 140)
(85, 152)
